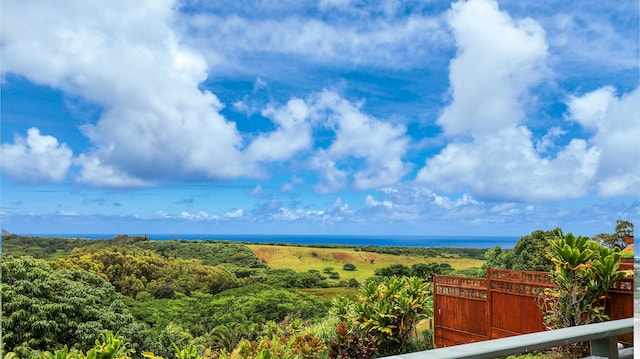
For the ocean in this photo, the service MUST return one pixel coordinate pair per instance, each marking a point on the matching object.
(355, 240)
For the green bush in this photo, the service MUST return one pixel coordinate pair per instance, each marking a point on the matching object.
(349, 267)
(387, 311)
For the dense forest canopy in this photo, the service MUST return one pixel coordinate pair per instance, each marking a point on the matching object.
(213, 294)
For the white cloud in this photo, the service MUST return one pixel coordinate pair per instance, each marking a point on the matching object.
(257, 191)
(289, 186)
(292, 135)
(232, 41)
(371, 202)
(547, 141)
(38, 158)
(199, 216)
(616, 123)
(379, 144)
(593, 39)
(505, 166)
(332, 179)
(498, 62)
(95, 173)
(124, 56)
(234, 214)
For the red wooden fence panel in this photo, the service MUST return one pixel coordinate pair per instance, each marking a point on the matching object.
(513, 308)
(460, 310)
(504, 304)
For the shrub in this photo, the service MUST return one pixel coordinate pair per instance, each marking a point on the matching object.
(349, 266)
(349, 344)
(584, 272)
(388, 311)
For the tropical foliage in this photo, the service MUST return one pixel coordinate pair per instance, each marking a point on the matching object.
(584, 271)
(388, 311)
(192, 299)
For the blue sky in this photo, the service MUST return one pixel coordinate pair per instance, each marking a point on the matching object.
(331, 117)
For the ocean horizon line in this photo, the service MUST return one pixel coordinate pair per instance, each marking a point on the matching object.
(381, 240)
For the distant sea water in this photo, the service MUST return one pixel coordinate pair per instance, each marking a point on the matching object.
(349, 240)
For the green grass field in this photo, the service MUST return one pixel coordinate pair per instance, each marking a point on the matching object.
(302, 259)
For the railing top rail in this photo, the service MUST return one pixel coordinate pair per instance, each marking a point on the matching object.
(526, 343)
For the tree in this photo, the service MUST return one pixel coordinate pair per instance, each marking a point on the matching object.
(529, 253)
(349, 266)
(399, 270)
(624, 229)
(427, 270)
(44, 309)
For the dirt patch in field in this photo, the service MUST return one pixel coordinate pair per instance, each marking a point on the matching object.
(265, 254)
(341, 256)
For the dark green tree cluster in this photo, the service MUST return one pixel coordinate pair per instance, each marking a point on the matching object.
(208, 252)
(45, 309)
(132, 274)
(529, 253)
(40, 247)
(425, 271)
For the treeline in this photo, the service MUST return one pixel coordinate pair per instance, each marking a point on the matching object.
(208, 252)
(48, 310)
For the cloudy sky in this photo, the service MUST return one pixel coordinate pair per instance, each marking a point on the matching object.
(333, 116)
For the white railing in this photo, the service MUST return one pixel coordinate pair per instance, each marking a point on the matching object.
(602, 336)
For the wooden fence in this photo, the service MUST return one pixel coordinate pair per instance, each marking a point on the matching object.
(504, 304)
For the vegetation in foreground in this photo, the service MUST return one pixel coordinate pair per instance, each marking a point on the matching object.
(216, 295)
(173, 299)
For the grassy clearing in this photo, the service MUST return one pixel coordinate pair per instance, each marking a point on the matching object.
(302, 259)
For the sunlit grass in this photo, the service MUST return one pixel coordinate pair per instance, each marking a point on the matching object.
(302, 259)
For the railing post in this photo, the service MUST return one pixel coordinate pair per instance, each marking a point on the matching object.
(605, 347)
(489, 305)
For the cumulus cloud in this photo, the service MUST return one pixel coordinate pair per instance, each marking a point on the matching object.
(292, 135)
(507, 167)
(617, 129)
(35, 159)
(379, 144)
(371, 202)
(124, 56)
(498, 62)
(364, 151)
(158, 125)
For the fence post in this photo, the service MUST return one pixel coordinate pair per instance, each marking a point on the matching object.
(605, 347)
